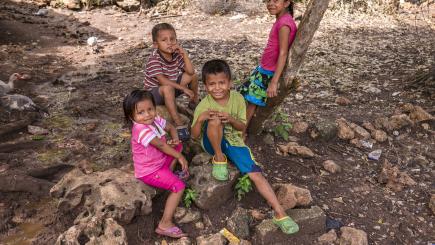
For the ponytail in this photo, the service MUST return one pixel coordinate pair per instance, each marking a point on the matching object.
(290, 8)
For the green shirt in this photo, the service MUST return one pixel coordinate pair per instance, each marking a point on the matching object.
(235, 106)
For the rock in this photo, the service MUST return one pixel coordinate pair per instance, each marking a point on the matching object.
(373, 90)
(416, 113)
(394, 179)
(69, 4)
(35, 130)
(425, 126)
(199, 225)
(432, 203)
(201, 159)
(328, 238)
(183, 215)
(342, 101)
(368, 126)
(96, 231)
(112, 193)
(399, 121)
(345, 132)
(379, 135)
(295, 149)
(238, 223)
(214, 239)
(211, 193)
(331, 166)
(311, 224)
(352, 236)
(85, 166)
(269, 140)
(128, 5)
(181, 241)
(326, 129)
(257, 214)
(290, 196)
(244, 242)
(360, 131)
(300, 127)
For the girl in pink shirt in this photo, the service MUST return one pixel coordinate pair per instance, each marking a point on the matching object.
(263, 81)
(154, 158)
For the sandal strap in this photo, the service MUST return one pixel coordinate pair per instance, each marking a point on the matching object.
(215, 162)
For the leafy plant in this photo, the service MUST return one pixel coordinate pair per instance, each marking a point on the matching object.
(283, 126)
(243, 186)
(190, 195)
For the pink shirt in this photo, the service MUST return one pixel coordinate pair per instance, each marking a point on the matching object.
(146, 157)
(271, 52)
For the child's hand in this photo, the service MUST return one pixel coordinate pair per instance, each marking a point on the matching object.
(173, 142)
(189, 93)
(224, 117)
(183, 163)
(207, 115)
(177, 48)
(272, 90)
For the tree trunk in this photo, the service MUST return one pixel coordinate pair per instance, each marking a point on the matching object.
(308, 26)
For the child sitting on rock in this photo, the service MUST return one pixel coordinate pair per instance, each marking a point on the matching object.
(219, 120)
(169, 73)
(154, 158)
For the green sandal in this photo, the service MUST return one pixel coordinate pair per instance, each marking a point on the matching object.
(220, 169)
(286, 224)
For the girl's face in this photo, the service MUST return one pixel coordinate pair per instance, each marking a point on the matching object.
(145, 112)
(277, 7)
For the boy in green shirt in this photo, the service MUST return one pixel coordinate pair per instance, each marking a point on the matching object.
(219, 120)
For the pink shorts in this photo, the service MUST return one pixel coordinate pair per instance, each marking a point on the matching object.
(164, 178)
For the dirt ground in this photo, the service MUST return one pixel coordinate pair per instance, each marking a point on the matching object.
(83, 87)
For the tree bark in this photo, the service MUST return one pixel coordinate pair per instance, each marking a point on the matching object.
(308, 26)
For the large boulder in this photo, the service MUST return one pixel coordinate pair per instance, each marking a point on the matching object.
(211, 193)
(311, 225)
(96, 230)
(238, 223)
(113, 193)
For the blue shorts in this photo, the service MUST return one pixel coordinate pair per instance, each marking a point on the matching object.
(240, 156)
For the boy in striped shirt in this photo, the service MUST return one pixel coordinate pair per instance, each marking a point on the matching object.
(169, 73)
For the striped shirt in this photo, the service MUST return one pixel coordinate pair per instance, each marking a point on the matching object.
(157, 65)
(146, 157)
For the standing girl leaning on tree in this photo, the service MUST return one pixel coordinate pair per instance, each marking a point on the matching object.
(263, 81)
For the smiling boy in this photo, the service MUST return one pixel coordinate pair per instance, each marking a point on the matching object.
(219, 120)
(169, 73)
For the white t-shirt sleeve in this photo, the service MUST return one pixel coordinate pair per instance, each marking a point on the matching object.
(145, 136)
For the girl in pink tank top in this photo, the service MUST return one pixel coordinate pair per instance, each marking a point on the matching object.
(263, 81)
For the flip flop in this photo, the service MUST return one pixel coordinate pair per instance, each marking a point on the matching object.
(286, 224)
(173, 232)
(220, 169)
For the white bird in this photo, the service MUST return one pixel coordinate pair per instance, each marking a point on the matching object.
(20, 103)
(7, 87)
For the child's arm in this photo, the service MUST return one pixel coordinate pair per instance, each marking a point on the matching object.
(165, 148)
(195, 131)
(188, 67)
(236, 124)
(284, 33)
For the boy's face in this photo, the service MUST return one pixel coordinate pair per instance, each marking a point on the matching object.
(218, 85)
(166, 41)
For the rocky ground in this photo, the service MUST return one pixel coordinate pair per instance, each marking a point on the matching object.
(353, 100)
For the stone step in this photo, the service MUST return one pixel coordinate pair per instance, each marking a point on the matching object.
(311, 223)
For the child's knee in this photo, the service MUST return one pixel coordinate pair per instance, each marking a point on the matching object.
(178, 187)
(167, 91)
(255, 176)
(214, 123)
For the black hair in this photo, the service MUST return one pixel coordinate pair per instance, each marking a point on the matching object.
(160, 27)
(215, 66)
(291, 8)
(131, 101)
